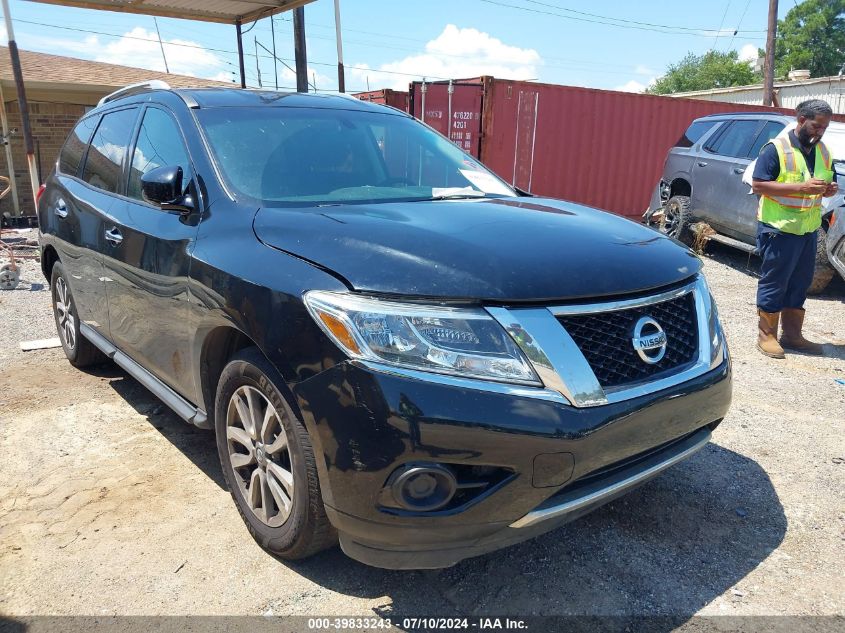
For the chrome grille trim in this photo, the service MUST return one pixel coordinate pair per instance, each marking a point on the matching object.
(563, 368)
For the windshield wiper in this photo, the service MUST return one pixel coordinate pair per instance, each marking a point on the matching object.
(454, 193)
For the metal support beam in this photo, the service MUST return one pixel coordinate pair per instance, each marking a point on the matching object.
(240, 54)
(22, 104)
(299, 49)
(13, 183)
(341, 79)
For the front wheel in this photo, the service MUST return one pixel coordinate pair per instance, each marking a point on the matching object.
(268, 461)
(677, 219)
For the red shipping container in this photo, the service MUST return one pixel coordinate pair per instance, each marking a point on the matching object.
(596, 147)
(395, 98)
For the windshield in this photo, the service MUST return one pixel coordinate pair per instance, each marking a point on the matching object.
(310, 156)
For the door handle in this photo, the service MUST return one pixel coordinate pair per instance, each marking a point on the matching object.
(701, 163)
(114, 237)
(738, 170)
(60, 209)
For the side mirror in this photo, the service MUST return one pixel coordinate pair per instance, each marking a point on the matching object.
(839, 168)
(163, 186)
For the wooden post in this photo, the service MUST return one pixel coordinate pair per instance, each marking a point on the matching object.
(769, 70)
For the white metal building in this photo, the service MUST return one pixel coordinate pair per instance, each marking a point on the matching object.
(789, 93)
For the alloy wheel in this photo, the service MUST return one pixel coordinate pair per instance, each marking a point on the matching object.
(260, 455)
(64, 311)
(671, 218)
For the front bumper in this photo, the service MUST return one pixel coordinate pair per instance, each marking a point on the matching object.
(365, 424)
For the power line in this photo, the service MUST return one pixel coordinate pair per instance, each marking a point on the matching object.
(721, 24)
(627, 25)
(742, 17)
(626, 20)
(220, 50)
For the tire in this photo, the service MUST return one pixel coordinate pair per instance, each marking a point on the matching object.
(79, 350)
(262, 468)
(677, 219)
(824, 272)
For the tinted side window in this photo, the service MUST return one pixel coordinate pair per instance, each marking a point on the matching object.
(159, 145)
(736, 141)
(769, 131)
(104, 164)
(74, 147)
(695, 132)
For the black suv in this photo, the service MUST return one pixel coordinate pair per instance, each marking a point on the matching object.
(394, 347)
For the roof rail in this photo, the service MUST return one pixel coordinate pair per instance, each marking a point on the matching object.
(153, 84)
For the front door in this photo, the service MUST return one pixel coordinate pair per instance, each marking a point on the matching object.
(148, 260)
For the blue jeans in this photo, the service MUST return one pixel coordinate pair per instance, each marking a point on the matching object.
(789, 262)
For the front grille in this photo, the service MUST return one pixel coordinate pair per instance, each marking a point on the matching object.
(605, 339)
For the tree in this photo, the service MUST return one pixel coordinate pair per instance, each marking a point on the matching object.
(812, 37)
(702, 72)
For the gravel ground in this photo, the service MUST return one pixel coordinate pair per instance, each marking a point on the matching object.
(111, 505)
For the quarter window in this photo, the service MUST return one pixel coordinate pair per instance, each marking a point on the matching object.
(694, 133)
(104, 163)
(159, 145)
(74, 147)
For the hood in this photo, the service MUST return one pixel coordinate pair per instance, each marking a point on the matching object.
(522, 249)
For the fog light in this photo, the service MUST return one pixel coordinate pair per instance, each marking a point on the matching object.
(423, 487)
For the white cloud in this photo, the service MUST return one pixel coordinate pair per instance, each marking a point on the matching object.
(748, 53)
(455, 53)
(182, 58)
(631, 86)
(4, 37)
(640, 69)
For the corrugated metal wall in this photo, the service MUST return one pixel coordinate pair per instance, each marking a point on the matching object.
(790, 94)
(597, 147)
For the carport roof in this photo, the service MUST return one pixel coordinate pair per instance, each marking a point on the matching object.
(225, 11)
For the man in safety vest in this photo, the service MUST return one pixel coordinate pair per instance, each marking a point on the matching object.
(791, 177)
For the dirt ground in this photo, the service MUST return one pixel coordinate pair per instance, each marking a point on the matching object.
(111, 505)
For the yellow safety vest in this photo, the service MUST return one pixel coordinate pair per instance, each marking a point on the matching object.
(796, 213)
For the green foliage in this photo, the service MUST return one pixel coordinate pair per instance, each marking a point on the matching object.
(702, 72)
(812, 36)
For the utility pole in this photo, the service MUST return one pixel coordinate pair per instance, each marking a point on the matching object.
(341, 80)
(299, 49)
(769, 70)
(160, 43)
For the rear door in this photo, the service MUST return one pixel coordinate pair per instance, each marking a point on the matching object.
(718, 194)
(89, 172)
(148, 259)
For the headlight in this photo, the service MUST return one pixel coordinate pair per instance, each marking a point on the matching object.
(459, 341)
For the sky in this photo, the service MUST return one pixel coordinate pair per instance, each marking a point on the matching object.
(611, 44)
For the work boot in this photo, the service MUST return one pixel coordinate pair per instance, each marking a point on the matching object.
(767, 332)
(792, 339)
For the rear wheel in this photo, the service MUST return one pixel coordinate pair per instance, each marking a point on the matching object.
(268, 461)
(824, 272)
(79, 350)
(677, 219)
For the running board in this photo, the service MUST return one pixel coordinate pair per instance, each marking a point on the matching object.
(180, 406)
(729, 241)
(699, 227)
